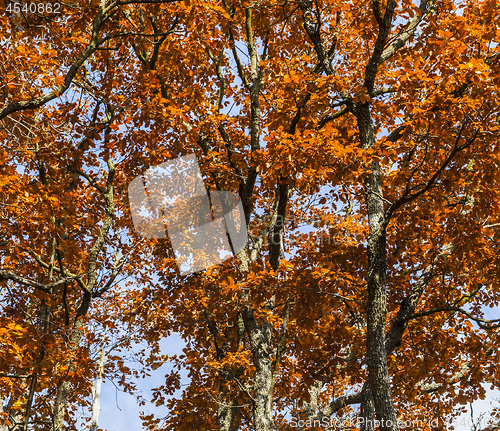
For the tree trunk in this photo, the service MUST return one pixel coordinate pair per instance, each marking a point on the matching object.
(64, 386)
(379, 379)
(96, 391)
(260, 340)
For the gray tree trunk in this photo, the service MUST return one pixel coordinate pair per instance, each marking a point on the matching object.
(96, 391)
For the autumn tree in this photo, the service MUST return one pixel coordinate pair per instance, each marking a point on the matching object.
(362, 140)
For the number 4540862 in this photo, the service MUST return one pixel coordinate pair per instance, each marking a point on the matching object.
(38, 8)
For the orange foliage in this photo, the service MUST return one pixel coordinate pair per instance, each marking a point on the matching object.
(363, 140)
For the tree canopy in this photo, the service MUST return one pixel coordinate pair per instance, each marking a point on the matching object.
(362, 139)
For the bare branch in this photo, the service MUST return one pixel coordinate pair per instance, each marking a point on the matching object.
(47, 288)
(407, 33)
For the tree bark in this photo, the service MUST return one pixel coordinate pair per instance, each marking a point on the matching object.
(260, 344)
(379, 379)
(96, 391)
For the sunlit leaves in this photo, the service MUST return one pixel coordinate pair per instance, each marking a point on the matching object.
(152, 92)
